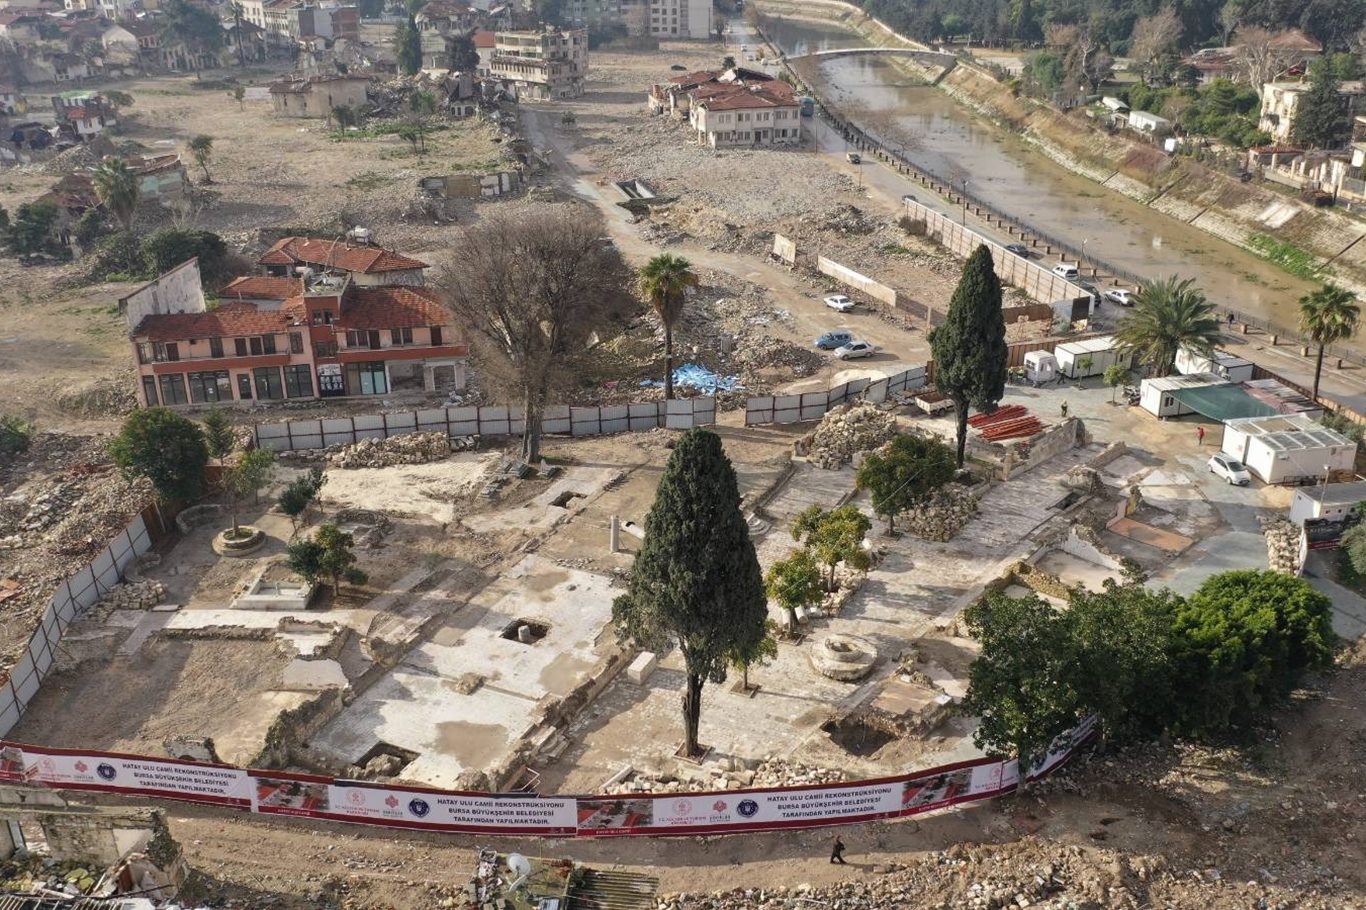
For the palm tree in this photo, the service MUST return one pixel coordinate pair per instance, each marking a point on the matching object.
(116, 186)
(237, 13)
(1329, 314)
(1167, 316)
(664, 282)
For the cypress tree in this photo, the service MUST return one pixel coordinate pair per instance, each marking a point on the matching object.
(1320, 117)
(696, 580)
(969, 349)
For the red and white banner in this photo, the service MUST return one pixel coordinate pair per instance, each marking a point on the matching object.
(651, 815)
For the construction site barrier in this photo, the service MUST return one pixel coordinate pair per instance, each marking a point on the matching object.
(75, 594)
(495, 420)
(267, 792)
(763, 409)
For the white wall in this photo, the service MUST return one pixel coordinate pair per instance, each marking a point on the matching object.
(177, 291)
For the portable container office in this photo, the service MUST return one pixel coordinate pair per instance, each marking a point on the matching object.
(1287, 448)
(1159, 396)
(1220, 363)
(1080, 359)
(1040, 367)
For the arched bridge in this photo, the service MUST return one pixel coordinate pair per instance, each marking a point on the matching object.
(928, 58)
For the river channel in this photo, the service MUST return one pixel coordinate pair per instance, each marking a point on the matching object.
(951, 141)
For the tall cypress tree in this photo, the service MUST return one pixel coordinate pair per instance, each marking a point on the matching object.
(969, 349)
(696, 580)
(1320, 116)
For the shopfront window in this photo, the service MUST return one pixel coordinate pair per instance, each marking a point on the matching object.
(212, 385)
(268, 385)
(173, 389)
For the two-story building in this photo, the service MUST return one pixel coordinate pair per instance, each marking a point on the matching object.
(317, 96)
(1280, 102)
(745, 115)
(366, 264)
(334, 339)
(541, 65)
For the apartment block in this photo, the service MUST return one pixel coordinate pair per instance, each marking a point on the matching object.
(541, 65)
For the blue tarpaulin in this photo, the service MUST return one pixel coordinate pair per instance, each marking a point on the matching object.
(695, 376)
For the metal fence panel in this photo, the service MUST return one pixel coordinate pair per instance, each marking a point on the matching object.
(431, 420)
(557, 419)
(463, 421)
(585, 421)
(615, 418)
(787, 408)
(814, 405)
(678, 415)
(26, 681)
(759, 410)
(9, 711)
(704, 412)
(493, 421)
(644, 415)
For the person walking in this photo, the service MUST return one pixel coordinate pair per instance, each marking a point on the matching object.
(1200, 435)
(1064, 410)
(837, 851)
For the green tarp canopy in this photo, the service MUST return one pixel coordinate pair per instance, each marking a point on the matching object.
(1222, 402)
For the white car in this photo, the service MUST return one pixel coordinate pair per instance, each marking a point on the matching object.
(1231, 469)
(839, 303)
(1063, 270)
(854, 350)
(1121, 296)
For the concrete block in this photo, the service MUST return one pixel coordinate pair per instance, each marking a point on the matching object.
(641, 668)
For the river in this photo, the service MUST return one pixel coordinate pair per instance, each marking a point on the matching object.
(947, 139)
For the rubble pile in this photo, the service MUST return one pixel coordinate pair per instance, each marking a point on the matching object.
(32, 873)
(133, 595)
(111, 396)
(1282, 545)
(410, 448)
(847, 219)
(760, 352)
(943, 516)
(730, 774)
(845, 432)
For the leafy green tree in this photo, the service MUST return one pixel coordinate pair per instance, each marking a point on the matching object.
(1045, 70)
(970, 353)
(31, 230)
(185, 23)
(327, 554)
(117, 188)
(345, 116)
(794, 583)
(696, 580)
(1120, 639)
(834, 537)
(117, 100)
(1321, 120)
(1240, 644)
(88, 228)
(245, 478)
(664, 283)
(728, 62)
(464, 56)
(169, 247)
(902, 474)
(15, 434)
(754, 654)
(1024, 24)
(219, 437)
(300, 493)
(1020, 684)
(167, 449)
(1168, 315)
(201, 150)
(1114, 376)
(1327, 316)
(239, 92)
(408, 45)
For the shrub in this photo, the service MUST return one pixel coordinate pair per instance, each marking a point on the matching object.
(15, 434)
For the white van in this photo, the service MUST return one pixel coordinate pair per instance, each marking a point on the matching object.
(1063, 270)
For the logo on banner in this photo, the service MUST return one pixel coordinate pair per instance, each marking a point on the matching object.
(419, 807)
(106, 771)
(391, 801)
(81, 767)
(719, 806)
(682, 807)
(747, 808)
(355, 797)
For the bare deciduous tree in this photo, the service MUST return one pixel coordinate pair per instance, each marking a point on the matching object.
(1057, 35)
(1230, 15)
(1154, 36)
(531, 290)
(1258, 60)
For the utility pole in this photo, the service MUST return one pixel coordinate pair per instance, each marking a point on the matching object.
(964, 195)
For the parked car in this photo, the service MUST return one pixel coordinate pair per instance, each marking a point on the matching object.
(679, 68)
(839, 303)
(831, 340)
(1231, 469)
(1019, 249)
(1121, 296)
(854, 157)
(854, 350)
(907, 199)
(1063, 270)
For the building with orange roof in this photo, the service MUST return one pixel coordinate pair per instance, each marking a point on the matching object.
(367, 265)
(283, 338)
(745, 114)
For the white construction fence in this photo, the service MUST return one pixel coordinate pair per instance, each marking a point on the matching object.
(813, 405)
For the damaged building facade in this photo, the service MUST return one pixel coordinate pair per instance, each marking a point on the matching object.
(317, 96)
(295, 332)
(541, 65)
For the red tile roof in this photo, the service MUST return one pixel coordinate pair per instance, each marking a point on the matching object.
(230, 319)
(697, 78)
(263, 287)
(738, 97)
(391, 307)
(485, 38)
(337, 254)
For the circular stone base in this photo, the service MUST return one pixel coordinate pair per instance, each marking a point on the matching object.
(240, 546)
(843, 657)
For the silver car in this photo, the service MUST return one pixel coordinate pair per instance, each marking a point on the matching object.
(854, 350)
(1231, 469)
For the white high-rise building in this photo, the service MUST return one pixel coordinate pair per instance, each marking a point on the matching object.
(690, 19)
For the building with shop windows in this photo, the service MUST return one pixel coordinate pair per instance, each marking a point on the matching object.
(281, 338)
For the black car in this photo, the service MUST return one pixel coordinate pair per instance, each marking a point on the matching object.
(1019, 249)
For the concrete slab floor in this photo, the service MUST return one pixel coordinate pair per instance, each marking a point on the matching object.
(426, 490)
(423, 705)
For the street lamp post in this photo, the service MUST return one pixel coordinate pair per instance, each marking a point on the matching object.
(964, 196)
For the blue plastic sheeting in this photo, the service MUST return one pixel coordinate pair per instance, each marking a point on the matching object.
(694, 376)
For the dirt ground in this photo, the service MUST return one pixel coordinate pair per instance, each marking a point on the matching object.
(1273, 825)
